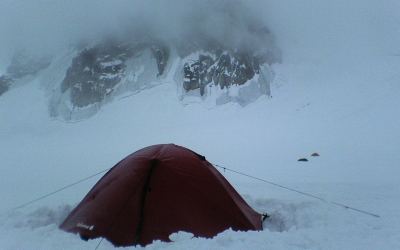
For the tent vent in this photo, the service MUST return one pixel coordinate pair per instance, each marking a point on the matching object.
(203, 158)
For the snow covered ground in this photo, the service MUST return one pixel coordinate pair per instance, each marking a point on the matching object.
(343, 105)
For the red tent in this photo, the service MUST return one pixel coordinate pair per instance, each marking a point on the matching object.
(157, 191)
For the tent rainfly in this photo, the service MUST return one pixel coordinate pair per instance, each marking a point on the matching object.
(157, 191)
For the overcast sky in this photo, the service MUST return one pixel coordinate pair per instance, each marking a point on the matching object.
(308, 25)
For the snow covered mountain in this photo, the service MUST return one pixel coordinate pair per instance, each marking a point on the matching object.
(22, 66)
(218, 70)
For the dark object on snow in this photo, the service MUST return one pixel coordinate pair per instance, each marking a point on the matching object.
(315, 154)
(157, 191)
(302, 159)
(265, 216)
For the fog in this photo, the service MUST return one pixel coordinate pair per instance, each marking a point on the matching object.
(335, 28)
(329, 27)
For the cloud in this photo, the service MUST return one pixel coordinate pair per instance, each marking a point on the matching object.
(43, 25)
(334, 26)
(50, 25)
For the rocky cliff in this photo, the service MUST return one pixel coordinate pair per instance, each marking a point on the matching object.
(221, 68)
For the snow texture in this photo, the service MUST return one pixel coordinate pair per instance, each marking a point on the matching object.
(344, 105)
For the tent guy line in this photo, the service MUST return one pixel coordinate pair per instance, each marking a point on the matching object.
(299, 192)
(224, 168)
(59, 190)
(269, 182)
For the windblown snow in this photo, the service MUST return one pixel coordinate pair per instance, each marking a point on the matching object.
(345, 107)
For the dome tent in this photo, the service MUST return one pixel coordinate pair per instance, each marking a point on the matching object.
(157, 191)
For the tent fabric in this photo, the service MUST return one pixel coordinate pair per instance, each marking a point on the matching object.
(157, 191)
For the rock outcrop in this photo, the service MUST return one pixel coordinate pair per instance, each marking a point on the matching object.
(22, 65)
(230, 62)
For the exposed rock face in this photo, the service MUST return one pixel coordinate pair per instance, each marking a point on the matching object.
(96, 71)
(227, 69)
(161, 53)
(5, 82)
(99, 73)
(218, 63)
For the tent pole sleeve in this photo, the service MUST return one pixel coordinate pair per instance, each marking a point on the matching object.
(143, 200)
